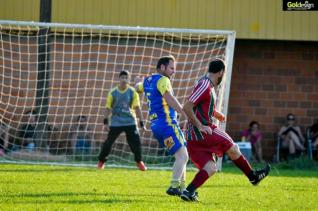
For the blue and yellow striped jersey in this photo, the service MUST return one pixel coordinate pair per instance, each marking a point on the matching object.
(154, 87)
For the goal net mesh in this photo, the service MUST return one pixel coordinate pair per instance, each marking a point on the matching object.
(54, 80)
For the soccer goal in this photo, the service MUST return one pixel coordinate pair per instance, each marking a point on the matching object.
(54, 79)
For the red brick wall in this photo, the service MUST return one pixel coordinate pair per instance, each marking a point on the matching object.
(271, 79)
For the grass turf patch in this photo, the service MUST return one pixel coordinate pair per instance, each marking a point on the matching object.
(30, 187)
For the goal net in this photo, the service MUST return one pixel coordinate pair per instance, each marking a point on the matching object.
(54, 80)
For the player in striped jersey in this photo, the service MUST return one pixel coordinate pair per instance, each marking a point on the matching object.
(204, 139)
(162, 107)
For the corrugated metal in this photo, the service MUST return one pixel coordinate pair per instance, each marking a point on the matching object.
(20, 10)
(262, 19)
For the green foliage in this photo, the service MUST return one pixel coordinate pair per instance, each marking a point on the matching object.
(301, 163)
(42, 187)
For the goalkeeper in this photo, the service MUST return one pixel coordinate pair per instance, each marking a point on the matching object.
(122, 102)
(162, 107)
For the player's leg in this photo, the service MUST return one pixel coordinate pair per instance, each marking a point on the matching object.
(183, 179)
(175, 142)
(200, 178)
(133, 140)
(225, 144)
(113, 133)
(179, 170)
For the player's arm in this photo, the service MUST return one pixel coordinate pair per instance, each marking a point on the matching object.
(199, 94)
(108, 110)
(173, 102)
(188, 110)
(164, 87)
(139, 84)
(219, 116)
(136, 107)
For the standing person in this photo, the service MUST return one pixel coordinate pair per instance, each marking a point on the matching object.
(254, 136)
(205, 140)
(162, 106)
(122, 102)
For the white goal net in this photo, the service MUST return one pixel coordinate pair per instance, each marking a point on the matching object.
(54, 80)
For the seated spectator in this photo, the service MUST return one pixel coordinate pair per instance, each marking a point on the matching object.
(314, 134)
(27, 131)
(81, 135)
(291, 136)
(4, 138)
(254, 136)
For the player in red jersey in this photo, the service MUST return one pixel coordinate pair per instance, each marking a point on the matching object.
(205, 140)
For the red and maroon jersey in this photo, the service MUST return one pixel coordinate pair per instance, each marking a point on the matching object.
(204, 98)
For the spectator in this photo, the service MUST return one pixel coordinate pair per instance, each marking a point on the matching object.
(254, 136)
(314, 134)
(27, 131)
(4, 138)
(82, 136)
(291, 136)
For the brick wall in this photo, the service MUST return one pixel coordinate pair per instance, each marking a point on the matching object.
(271, 79)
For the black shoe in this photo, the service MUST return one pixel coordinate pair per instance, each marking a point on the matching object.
(173, 191)
(260, 174)
(189, 196)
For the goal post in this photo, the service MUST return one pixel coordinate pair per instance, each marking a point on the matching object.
(82, 65)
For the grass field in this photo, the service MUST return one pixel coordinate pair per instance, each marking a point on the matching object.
(41, 187)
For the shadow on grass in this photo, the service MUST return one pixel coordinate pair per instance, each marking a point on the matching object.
(48, 198)
(46, 170)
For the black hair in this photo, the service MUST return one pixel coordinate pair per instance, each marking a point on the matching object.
(253, 123)
(33, 112)
(216, 66)
(165, 61)
(123, 72)
(290, 116)
(81, 117)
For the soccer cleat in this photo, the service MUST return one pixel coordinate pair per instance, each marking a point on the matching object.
(101, 165)
(189, 196)
(173, 191)
(260, 174)
(141, 166)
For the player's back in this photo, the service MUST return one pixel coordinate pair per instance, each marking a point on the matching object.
(158, 107)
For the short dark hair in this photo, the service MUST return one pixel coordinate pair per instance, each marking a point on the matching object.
(216, 66)
(81, 117)
(254, 123)
(165, 61)
(290, 116)
(123, 72)
(33, 112)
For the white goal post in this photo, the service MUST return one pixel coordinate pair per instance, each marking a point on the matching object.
(54, 80)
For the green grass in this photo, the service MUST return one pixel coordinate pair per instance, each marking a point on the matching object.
(41, 187)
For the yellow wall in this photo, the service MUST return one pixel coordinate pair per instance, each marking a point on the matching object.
(23, 10)
(261, 19)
